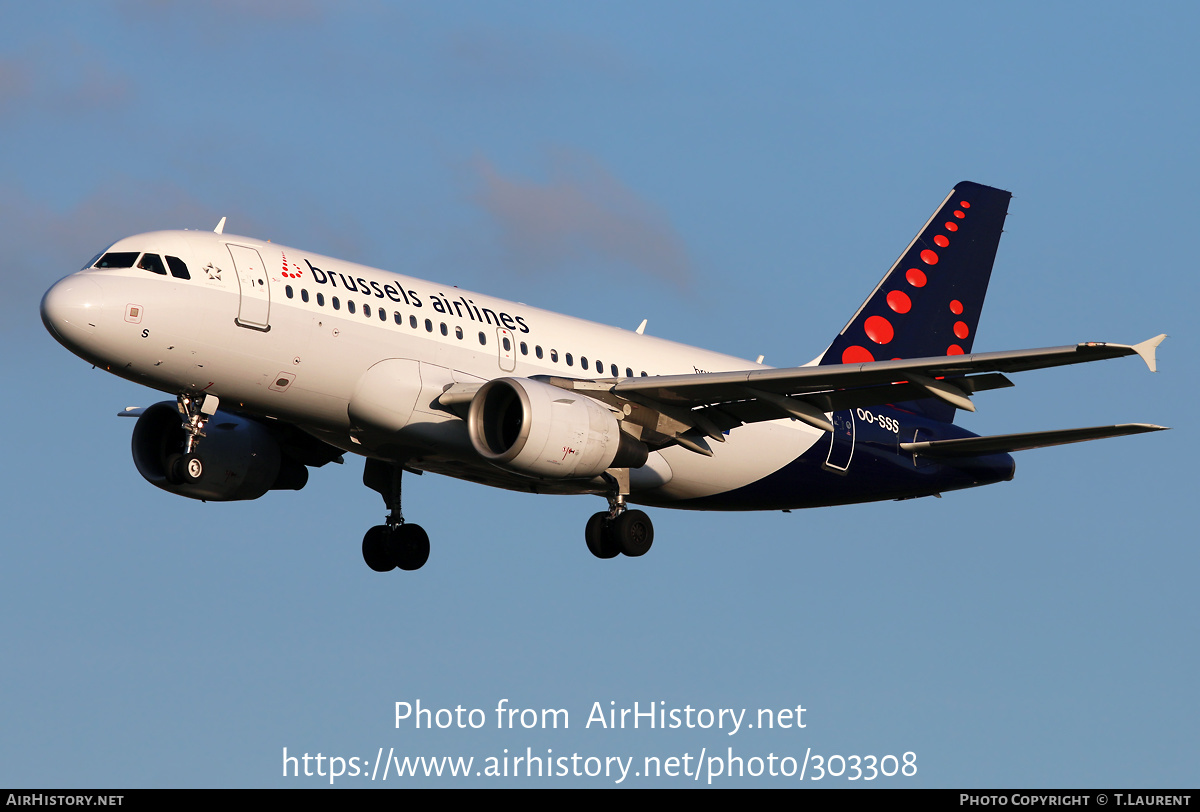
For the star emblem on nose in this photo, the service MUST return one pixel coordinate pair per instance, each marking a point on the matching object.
(213, 271)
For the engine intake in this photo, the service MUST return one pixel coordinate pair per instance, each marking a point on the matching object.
(540, 430)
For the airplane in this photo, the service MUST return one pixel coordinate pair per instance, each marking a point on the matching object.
(281, 360)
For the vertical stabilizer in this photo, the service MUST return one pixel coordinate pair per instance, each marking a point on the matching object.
(929, 302)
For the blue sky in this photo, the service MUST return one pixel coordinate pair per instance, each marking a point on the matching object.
(740, 176)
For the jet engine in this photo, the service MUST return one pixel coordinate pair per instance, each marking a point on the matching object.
(237, 459)
(540, 430)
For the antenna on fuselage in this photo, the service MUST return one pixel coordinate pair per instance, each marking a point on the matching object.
(641, 327)
(220, 229)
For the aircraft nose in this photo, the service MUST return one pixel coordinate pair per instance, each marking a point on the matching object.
(72, 308)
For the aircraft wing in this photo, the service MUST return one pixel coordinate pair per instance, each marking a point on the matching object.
(710, 403)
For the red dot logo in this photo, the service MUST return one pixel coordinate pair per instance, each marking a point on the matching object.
(952, 226)
(960, 215)
(929, 257)
(954, 349)
(964, 204)
(961, 330)
(879, 329)
(915, 277)
(941, 241)
(899, 302)
(856, 355)
(956, 307)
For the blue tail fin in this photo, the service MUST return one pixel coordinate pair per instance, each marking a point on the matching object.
(929, 303)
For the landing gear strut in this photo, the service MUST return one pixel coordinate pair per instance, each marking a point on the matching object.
(194, 411)
(394, 544)
(619, 529)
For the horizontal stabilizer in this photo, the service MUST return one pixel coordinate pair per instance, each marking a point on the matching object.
(1003, 443)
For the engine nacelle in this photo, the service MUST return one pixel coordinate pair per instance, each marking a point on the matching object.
(540, 430)
(240, 458)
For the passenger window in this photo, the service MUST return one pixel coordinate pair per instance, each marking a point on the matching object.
(350, 305)
(399, 319)
(336, 304)
(458, 333)
(288, 291)
(382, 314)
(570, 360)
(428, 326)
(366, 310)
(554, 356)
(583, 361)
(320, 299)
(152, 263)
(524, 348)
(304, 294)
(482, 339)
(412, 322)
(613, 369)
(119, 259)
(538, 350)
(628, 372)
(599, 367)
(445, 330)
(178, 268)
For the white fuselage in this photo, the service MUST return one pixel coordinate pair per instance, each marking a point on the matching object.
(286, 334)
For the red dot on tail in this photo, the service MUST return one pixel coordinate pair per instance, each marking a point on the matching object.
(956, 307)
(879, 329)
(856, 355)
(929, 257)
(915, 277)
(954, 349)
(941, 241)
(964, 204)
(960, 215)
(898, 301)
(961, 330)
(952, 226)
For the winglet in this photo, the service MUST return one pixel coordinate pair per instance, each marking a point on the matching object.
(1146, 350)
(220, 229)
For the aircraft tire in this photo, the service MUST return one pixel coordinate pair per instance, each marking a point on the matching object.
(598, 534)
(633, 532)
(408, 546)
(374, 549)
(187, 469)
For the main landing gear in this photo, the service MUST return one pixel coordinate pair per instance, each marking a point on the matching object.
(619, 530)
(394, 544)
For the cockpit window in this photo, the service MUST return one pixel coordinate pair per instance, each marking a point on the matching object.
(178, 268)
(118, 259)
(92, 261)
(152, 263)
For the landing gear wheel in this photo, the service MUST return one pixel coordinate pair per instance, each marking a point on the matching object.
(633, 533)
(598, 533)
(375, 549)
(408, 546)
(186, 469)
